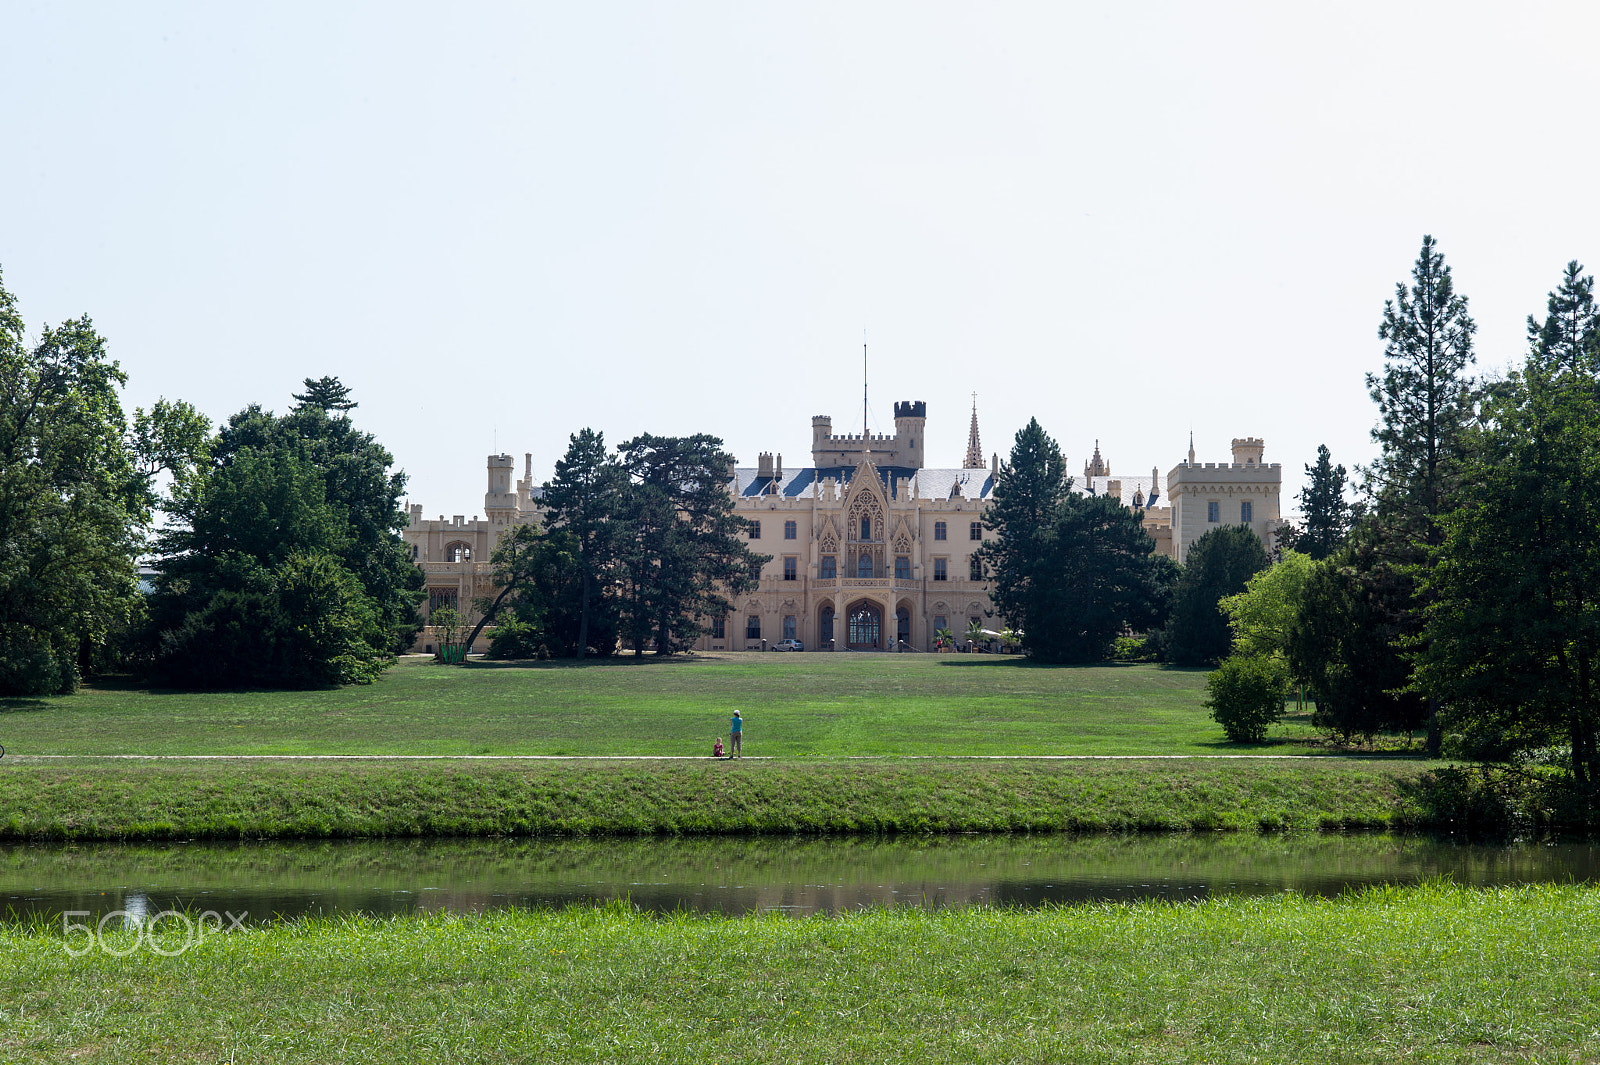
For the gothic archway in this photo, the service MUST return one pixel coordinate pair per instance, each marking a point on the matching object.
(825, 626)
(865, 626)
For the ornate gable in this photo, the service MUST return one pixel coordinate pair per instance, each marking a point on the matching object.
(828, 537)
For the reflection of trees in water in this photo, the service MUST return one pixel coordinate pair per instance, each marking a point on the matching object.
(736, 875)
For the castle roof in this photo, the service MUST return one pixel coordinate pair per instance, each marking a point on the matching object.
(930, 483)
(1100, 485)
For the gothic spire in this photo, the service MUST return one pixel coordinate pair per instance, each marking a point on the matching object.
(974, 448)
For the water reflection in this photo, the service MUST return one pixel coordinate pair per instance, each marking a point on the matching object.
(270, 880)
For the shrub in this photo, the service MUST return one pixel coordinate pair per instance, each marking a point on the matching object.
(1246, 695)
(1135, 649)
(514, 638)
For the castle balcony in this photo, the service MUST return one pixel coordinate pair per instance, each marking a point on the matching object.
(454, 569)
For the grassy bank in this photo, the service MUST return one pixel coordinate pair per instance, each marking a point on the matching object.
(796, 705)
(210, 800)
(1435, 973)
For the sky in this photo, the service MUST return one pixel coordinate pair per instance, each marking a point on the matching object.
(502, 223)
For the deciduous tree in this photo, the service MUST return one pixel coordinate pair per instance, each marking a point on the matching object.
(73, 508)
(515, 564)
(284, 565)
(1262, 616)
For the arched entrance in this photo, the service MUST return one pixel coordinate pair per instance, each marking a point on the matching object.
(825, 627)
(902, 625)
(865, 621)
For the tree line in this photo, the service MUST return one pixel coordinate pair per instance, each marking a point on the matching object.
(1457, 597)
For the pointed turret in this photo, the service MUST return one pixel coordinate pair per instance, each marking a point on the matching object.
(974, 448)
(1191, 447)
(1097, 466)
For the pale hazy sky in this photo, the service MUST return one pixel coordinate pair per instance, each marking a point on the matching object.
(500, 223)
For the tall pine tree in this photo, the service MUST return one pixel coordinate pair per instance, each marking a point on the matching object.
(1027, 495)
(1426, 407)
(1323, 507)
(685, 546)
(1424, 397)
(1567, 339)
(583, 499)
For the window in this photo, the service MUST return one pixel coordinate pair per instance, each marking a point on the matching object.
(788, 530)
(975, 531)
(755, 530)
(755, 571)
(939, 565)
(866, 528)
(940, 622)
(788, 627)
(975, 568)
(1213, 511)
(719, 628)
(865, 627)
(902, 567)
(457, 552)
(864, 565)
(1245, 511)
(938, 530)
(752, 627)
(827, 568)
(440, 598)
(789, 567)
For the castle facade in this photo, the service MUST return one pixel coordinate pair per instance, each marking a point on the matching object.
(871, 550)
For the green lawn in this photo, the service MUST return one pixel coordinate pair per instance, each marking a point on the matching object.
(1429, 974)
(253, 800)
(795, 705)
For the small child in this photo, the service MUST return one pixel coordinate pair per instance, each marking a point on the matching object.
(716, 748)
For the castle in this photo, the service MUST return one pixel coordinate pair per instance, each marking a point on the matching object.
(871, 549)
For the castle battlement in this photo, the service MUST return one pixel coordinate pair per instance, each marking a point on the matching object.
(904, 448)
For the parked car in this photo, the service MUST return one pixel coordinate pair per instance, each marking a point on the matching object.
(788, 645)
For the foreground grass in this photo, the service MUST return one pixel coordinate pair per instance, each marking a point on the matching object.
(796, 705)
(223, 800)
(1435, 973)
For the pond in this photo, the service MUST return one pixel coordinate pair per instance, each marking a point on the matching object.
(257, 882)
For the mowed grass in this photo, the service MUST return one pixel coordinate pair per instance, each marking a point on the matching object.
(795, 706)
(1434, 973)
(289, 799)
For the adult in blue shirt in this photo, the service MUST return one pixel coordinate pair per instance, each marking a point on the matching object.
(735, 731)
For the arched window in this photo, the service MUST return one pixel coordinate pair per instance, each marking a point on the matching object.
(864, 565)
(457, 552)
(865, 627)
(866, 527)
